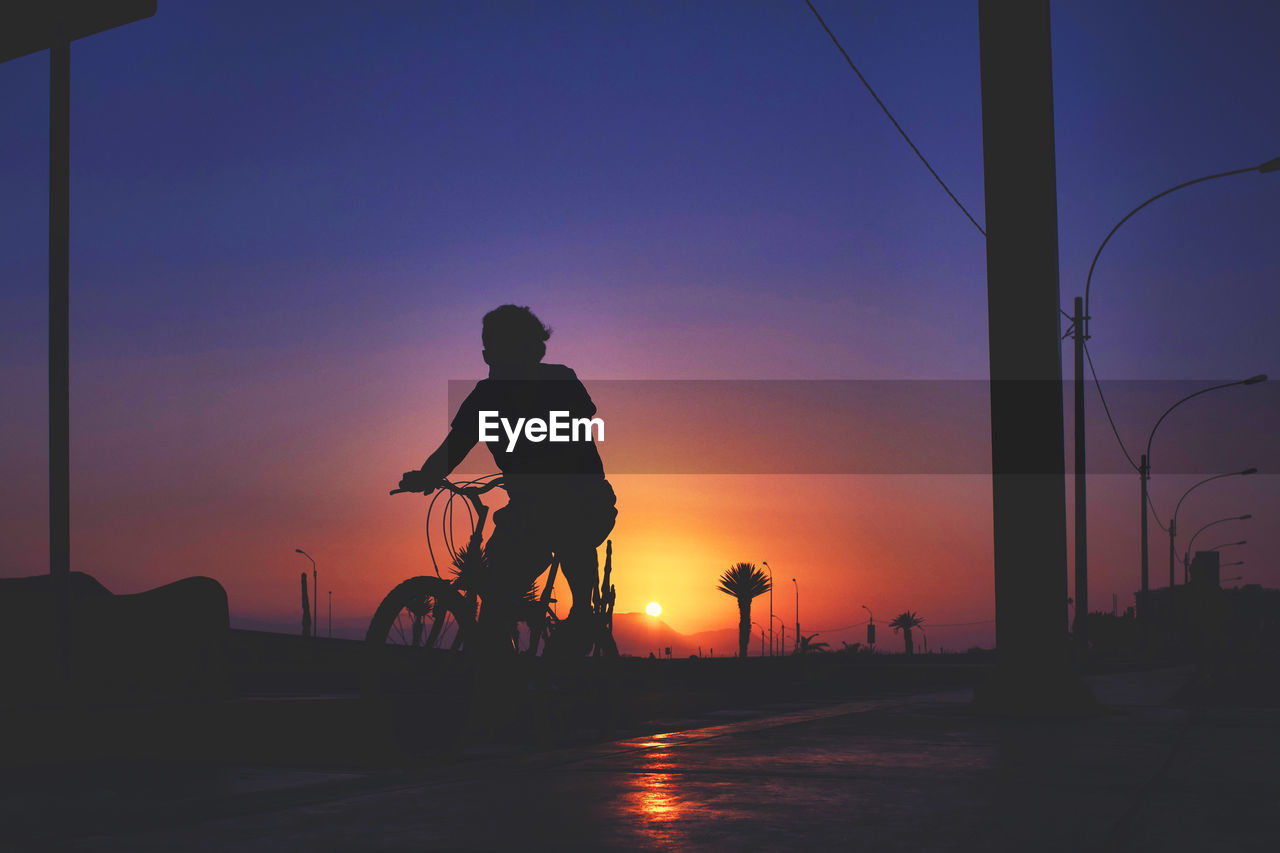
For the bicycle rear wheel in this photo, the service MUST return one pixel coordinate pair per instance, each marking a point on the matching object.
(416, 631)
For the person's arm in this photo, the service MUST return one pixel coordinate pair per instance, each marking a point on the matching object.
(448, 455)
(464, 433)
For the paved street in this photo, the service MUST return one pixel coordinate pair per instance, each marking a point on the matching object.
(919, 773)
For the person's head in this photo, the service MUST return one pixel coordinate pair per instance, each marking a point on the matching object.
(513, 336)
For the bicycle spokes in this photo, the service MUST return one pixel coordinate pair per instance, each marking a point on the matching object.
(424, 623)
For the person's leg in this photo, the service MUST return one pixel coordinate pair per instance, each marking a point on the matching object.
(516, 554)
(518, 551)
(587, 523)
(581, 570)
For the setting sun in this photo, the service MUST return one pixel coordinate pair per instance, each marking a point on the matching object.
(653, 608)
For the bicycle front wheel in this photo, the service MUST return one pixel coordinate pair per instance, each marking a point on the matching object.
(416, 626)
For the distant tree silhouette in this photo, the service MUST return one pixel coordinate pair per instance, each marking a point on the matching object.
(904, 622)
(808, 646)
(744, 582)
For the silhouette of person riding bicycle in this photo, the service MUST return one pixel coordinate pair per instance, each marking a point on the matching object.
(560, 506)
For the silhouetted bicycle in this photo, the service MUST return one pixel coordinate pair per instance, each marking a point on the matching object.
(430, 621)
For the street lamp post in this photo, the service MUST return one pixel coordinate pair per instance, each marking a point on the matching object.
(793, 580)
(1186, 556)
(770, 570)
(330, 614)
(1080, 334)
(871, 627)
(1144, 470)
(761, 627)
(1173, 519)
(782, 637)
(315, 590)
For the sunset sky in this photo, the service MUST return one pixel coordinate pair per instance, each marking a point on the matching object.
(287, 221)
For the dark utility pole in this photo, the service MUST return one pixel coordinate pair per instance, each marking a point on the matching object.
(59, 342)
(1080, 627)
(1028, 469)
(26, 28)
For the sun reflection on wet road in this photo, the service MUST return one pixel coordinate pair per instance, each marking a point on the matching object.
(652, 800)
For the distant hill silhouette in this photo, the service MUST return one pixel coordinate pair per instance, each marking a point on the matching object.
(639, 633)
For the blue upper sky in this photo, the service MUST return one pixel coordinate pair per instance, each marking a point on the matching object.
(237, 167)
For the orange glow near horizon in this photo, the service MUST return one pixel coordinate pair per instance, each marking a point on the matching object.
(894, 543)
(231, 489)
(886, 541)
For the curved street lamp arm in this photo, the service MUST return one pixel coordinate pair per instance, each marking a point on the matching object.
(1263, 167)
(1152, 435)
(1174, 519)
(1192, 541)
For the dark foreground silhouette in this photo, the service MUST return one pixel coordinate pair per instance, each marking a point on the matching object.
(167, 643)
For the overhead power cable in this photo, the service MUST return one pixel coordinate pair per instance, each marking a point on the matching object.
(1107, 409)
(936, 177)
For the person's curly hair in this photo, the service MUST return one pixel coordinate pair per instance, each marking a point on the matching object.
(512, 334)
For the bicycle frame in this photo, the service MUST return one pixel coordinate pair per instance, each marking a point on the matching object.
(536, 618)
(472, 494)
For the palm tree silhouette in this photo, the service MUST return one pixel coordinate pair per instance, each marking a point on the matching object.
(744, 582)
(808, 646)
(904, 622)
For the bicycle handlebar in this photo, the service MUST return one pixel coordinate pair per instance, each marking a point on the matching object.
(465, 491)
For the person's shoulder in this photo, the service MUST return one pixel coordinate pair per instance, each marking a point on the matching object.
(556, 371)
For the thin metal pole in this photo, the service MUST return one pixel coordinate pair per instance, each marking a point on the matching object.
(1080, 630)
(330, 614)
(765, 563)
(1144, 473)
(1173, 528)
(306, 611)
(797, 646)
(315, 600)
(59, 345)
